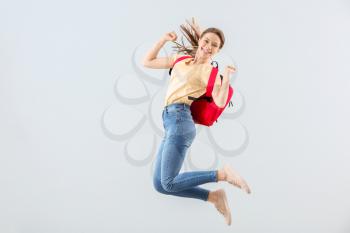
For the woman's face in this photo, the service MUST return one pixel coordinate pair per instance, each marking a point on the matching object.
(208, 45)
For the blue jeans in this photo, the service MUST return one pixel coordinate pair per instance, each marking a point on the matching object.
(180, 132)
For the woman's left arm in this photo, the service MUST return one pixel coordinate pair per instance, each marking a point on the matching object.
(220, 91)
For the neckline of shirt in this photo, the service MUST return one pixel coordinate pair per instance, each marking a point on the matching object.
(190, 60)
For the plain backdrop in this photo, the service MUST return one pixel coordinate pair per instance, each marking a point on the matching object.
(71, 82)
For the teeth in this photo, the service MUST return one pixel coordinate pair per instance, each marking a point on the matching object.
(206, 51)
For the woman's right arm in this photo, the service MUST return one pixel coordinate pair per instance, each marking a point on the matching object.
(151, 60)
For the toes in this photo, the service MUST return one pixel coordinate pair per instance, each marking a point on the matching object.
(248, 190)
(246, 187)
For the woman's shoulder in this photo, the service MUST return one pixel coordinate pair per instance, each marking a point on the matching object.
(175, 56)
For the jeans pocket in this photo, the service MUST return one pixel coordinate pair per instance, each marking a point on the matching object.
(174, 114)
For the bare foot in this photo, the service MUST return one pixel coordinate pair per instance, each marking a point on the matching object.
(235, 179)
(218, 198)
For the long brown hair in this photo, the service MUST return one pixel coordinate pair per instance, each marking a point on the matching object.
(193, 37)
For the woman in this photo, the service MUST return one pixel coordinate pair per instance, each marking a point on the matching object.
(189, 78)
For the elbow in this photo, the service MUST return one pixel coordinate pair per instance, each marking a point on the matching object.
(145, 63)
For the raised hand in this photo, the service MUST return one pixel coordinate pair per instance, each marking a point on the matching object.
(169, 36)
(230, 69)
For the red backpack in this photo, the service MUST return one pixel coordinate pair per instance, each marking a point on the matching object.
(203, 109)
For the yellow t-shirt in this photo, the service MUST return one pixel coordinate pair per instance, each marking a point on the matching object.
(187, 80)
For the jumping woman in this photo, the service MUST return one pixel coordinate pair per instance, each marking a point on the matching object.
(189, 77)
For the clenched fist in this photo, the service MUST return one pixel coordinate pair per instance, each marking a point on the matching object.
(230, 70)
(170, 36)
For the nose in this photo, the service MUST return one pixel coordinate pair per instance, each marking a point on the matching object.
(208, 47)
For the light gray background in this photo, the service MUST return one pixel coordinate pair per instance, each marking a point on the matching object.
(60, 172)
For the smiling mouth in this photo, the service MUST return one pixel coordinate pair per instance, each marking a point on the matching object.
(205, 51)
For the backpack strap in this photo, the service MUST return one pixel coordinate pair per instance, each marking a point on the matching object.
(210, 85)
(177, 60)
(207, 98)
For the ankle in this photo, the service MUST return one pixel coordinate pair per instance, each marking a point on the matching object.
(212, 197)
(221, 175)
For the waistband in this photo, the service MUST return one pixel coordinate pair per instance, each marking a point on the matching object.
(174, 106)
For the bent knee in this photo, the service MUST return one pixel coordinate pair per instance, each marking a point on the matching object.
(158, 186)
(167, 186)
